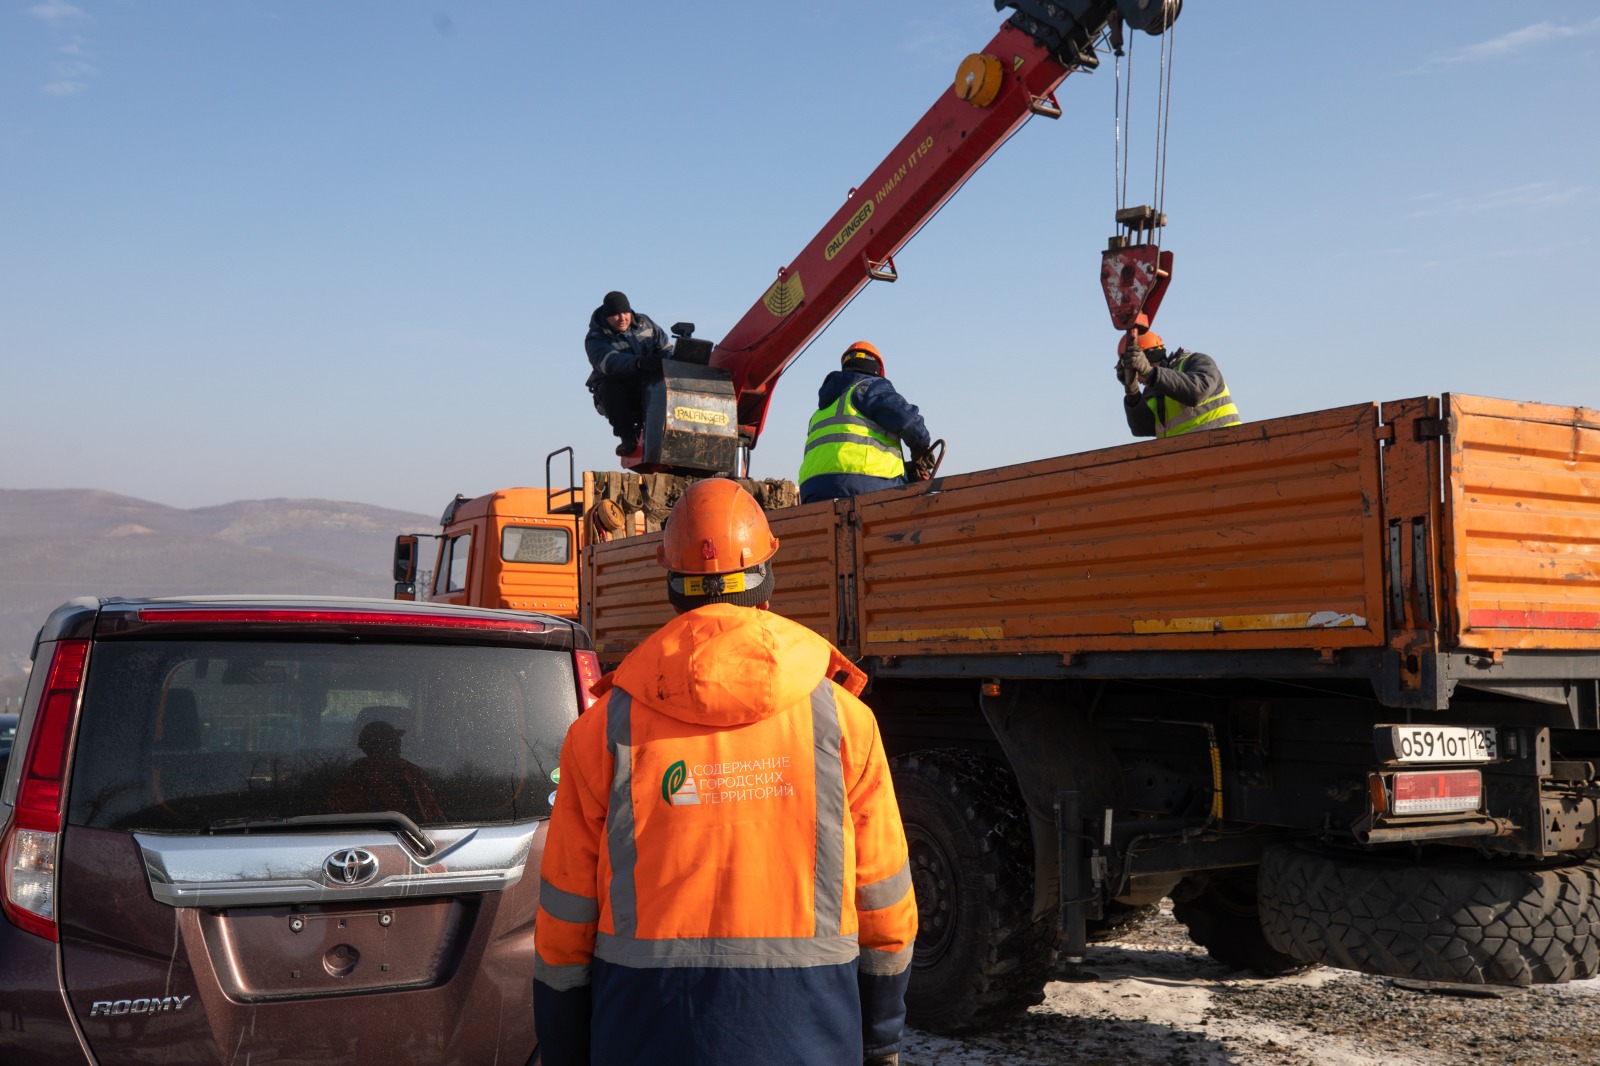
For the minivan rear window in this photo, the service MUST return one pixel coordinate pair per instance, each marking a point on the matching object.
(180, 736)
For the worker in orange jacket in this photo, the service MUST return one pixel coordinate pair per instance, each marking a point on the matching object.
(725, 878)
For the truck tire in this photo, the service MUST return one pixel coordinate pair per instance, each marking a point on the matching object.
(1447, 918)
(1223, 916)
(980, 958)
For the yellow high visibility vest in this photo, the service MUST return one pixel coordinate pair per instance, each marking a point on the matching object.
(842, 440)
(1212, 412)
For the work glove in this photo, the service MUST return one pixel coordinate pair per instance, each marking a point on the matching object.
(891, 1059)
(1130, 381)
(922, 464)
(649, 363)
(1136, 362)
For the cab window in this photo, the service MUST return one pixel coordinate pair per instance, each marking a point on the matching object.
(535, 544)
(452, 575)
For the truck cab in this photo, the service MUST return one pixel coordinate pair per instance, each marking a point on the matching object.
(506, 549)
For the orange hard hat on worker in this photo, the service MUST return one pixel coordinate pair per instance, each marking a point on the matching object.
(862, 357)
(717, 547)
(1146, 340)
(716, 527)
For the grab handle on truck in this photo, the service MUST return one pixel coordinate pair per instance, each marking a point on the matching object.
(573, 506)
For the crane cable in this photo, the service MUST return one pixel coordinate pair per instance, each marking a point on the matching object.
(1164, 119)
(1119, 109)
(1122, 114)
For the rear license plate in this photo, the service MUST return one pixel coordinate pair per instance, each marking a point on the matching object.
(1435, 743)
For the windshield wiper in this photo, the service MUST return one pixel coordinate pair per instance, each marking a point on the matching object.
(403, 827)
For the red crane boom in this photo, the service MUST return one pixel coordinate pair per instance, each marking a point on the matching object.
(995, 92)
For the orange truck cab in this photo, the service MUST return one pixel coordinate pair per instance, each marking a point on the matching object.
(515, 548)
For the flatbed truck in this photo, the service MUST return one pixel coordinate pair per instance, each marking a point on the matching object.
(1331, 682)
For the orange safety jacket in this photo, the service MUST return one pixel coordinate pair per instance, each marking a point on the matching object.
(725, 873)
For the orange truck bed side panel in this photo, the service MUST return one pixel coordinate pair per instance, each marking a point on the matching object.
(1262, 536)
(629, 595)
(1269, 535)
(1523, 524)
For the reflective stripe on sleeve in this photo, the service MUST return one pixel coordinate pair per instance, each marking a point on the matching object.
(886, 963)
(885, 893)
(560, 978)
(828, 894)
(730, 953)
(620, 845)
(567, 906)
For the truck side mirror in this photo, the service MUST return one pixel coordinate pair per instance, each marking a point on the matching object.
(405, 559)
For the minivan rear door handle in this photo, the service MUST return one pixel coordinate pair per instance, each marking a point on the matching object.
(263, 868)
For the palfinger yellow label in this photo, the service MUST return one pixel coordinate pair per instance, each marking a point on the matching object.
(842, 238)
(700, 415)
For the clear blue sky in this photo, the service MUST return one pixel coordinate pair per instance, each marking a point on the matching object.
(348, 250)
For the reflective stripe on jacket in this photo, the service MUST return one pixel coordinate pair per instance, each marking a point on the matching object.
(725, 867)
(841, 440)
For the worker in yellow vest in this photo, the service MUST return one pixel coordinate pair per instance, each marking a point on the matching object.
(1171, 394)
(854, 443)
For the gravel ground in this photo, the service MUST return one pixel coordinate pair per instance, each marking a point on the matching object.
(1161, 1001)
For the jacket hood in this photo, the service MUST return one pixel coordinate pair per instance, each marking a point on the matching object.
(722, 665)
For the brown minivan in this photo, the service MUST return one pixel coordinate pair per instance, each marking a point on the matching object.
(296, 831)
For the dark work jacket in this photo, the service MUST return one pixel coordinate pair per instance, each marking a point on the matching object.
(613, 353)
(875, 399)
(1198, 379)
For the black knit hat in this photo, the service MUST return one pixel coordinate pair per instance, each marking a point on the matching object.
(615, 303)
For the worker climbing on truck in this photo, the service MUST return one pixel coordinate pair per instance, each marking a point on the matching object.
(1167, 395)
(625, 350)
(725, 878)
(854, 442)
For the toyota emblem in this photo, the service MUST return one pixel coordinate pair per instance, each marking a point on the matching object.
(352, 866)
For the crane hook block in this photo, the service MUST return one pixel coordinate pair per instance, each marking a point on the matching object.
(1134, 278)
(978, 79)
(1135, 275)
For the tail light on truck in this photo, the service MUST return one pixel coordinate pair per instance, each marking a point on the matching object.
(29, 853)
(1436, 792)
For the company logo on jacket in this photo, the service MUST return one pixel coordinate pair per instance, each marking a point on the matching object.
(677, 787)
(728, 782)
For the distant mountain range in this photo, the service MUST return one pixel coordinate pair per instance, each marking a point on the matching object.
(57, 544)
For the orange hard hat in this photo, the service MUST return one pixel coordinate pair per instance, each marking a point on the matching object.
(716, 527)
(1147, 340)
(860, 352)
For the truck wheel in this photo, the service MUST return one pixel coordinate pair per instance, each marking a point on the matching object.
(980, 958)
(1223, 917)
(1446, 918)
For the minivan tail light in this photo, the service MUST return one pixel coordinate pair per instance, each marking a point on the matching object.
(31, 844)
(588, 664)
